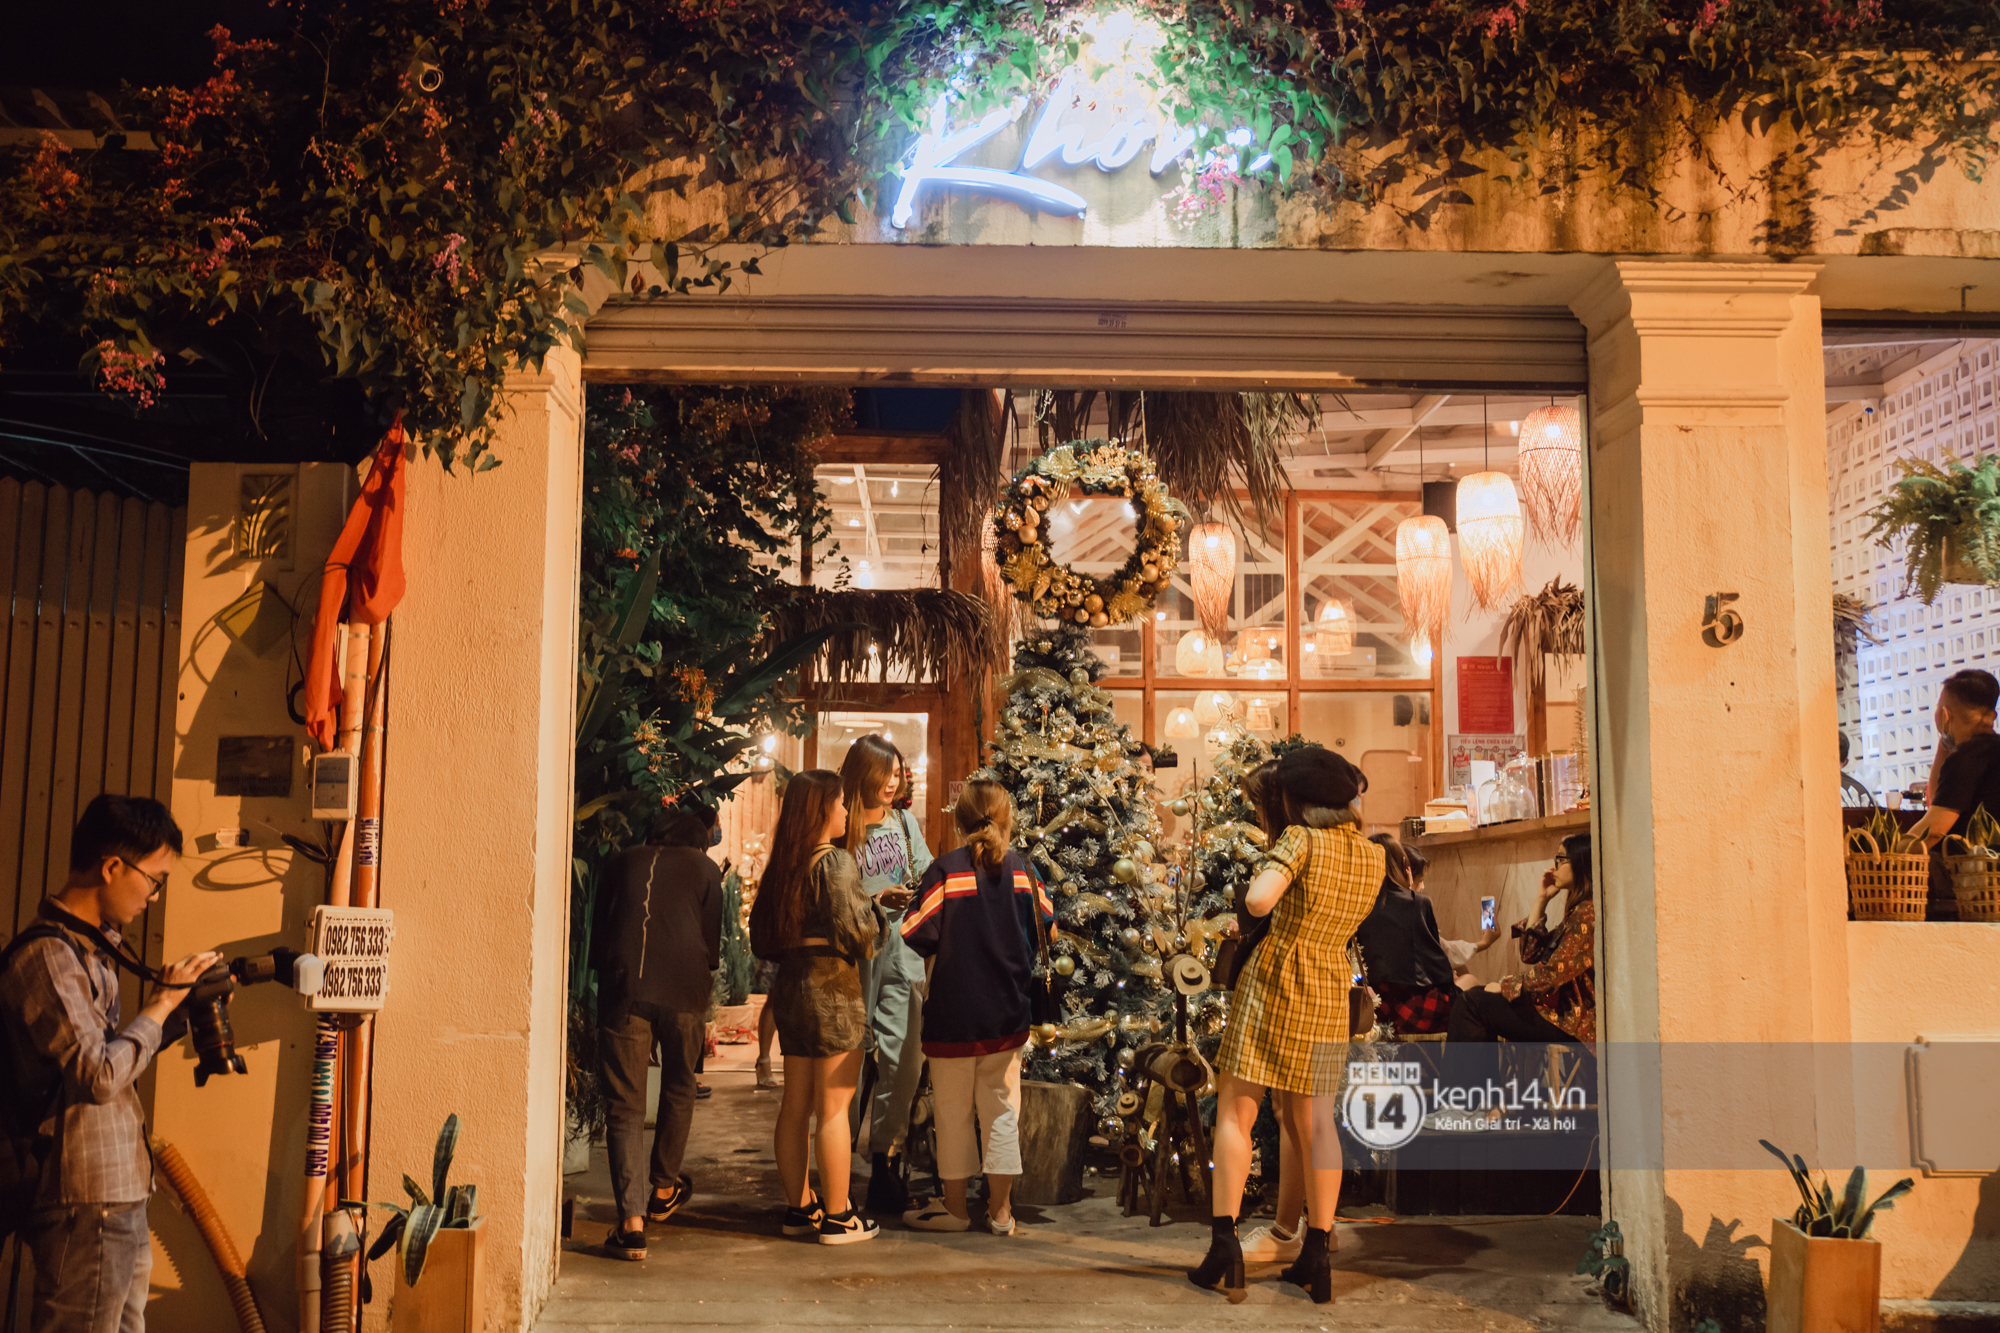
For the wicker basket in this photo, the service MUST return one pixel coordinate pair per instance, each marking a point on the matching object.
(1885, 886)
(1975, 879)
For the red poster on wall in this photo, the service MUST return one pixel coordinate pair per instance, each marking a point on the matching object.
(1485, 695)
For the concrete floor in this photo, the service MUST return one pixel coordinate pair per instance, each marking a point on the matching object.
(722, 1264)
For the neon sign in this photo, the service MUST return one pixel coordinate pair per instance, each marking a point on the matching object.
(1078, 124)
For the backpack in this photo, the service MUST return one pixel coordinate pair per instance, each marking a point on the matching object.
(24, 1109)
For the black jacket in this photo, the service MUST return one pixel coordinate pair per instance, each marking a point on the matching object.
(657, 933)
(1399, 941)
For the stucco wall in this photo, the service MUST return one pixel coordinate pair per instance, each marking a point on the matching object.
(243, 1135)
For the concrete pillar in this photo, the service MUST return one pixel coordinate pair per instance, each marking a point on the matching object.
(476, 836)
(1723, 893)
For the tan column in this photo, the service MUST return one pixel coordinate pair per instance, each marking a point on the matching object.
(1718, 812)
(476, 837)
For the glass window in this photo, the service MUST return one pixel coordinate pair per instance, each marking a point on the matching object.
(884, 527)
(1253, 644)
(1351, 614)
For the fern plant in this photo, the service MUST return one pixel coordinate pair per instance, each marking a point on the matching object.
(1942, 514)
(1842, 1218)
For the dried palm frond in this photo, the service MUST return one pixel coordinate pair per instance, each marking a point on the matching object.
(1200, 441)
(969, 486)
(1544, 624)
(929, 633)
(1062, 415)
(1852, 622)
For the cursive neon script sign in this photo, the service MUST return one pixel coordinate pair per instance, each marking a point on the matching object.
(1065, 128)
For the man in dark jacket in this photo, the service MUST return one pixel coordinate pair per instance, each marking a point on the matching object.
(657, 938)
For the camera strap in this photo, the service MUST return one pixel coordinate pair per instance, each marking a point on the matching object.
(119, 952)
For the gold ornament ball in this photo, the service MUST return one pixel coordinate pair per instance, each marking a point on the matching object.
(1098, 620)
(1111, 1128)
(1144, 851)
(1094, 602)
(1124, 870)
(1082, 616)
(1178, 807)
(1128, 938)
(1127, 1057)
(1064, 966)
(1079, 677)
(1045, 1031)
(1149, 572)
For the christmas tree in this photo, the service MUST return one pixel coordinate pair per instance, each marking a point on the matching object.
(1084, 815)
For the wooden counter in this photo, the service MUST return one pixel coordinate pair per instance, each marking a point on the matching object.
(1574, 822)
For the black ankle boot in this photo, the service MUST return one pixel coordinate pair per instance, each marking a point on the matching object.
(888, 1194)
(1222, 1268)
(1313, 1269)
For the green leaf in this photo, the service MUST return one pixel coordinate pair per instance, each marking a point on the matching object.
(386, 1238)
(414, 1190)
(425, 1221)
(786, 659)
(447, 1147)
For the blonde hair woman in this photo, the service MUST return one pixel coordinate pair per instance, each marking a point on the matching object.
(888, 845)
(813, 920)
(1288, 1019)
(980, 917)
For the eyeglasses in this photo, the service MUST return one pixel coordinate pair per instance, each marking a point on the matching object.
(1562, 858)
(157, 883)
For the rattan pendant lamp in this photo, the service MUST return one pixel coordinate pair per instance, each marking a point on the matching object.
(1490, 529)
(1423, 571)
(1551, 468)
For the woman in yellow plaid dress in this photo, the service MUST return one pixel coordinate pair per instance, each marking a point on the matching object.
(1288, 1018)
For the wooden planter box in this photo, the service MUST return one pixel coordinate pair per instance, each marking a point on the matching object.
(1055, 1133)
(1821, 1285)
(446, 1297)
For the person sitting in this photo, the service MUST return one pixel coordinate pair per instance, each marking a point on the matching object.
(1967, 779)
(1402, 956)
(980, 917)
(1853, 795)
(1554, 996)
(1459, 953)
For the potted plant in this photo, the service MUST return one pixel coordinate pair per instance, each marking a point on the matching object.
(1948, 520)
(1826, 1273)
(441, 1237)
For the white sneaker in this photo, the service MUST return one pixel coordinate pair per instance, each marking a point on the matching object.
(1268, 1245)
(765, 1078)
(932, 1215)
(846, 1228)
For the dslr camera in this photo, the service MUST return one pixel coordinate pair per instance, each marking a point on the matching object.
(207, 1005)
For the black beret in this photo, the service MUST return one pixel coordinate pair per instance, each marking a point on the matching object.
(1318, 776)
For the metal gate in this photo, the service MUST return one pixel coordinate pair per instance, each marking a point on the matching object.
(89, 667)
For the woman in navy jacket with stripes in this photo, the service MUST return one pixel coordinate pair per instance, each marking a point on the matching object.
(978, 916)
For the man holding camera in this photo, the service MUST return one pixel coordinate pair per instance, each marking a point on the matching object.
(75, 1136)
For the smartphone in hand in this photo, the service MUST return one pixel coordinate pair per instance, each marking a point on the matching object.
(1488, 913)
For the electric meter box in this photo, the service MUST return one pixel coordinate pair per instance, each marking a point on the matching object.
(353, 942)
(333, 783)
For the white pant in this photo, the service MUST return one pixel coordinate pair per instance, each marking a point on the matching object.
(986, 1086)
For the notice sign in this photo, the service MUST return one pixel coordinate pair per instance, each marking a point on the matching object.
(1460, 751)
(1485, 695)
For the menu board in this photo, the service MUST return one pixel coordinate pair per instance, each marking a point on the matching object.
(1485, 695)
(1460, 751)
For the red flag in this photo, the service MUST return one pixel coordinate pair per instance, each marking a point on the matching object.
(364, 575)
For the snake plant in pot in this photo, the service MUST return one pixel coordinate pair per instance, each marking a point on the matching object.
(1948, 519)
(1826, 1270)
(440, 1237)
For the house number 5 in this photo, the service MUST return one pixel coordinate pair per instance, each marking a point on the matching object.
(1720, 626)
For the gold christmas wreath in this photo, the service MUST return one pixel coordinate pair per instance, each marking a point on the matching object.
(1057, 592)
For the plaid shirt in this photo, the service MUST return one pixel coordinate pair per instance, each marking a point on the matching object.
(65, 1014)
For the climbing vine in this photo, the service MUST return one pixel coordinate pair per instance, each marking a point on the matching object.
(410, 197)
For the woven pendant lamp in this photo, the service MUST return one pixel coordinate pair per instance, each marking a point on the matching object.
(1333, 632)
(1423, 575)
(1490, 533)
(1212, 574)
(1211, 707)
(1181, 725)
(1257, 717)
(1551, 467)
(1198, 654)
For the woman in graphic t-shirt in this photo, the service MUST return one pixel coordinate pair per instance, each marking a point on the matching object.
(888, 845)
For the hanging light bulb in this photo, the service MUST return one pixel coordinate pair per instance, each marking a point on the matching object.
(1551, 467)
(1197, 654)
(1420, 652)
(1212, 574)
(1490, 531)
(1333, 634)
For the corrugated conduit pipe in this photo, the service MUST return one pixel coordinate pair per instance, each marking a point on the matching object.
(195, 1199)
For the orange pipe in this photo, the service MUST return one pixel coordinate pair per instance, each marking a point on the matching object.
(195, 1199)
